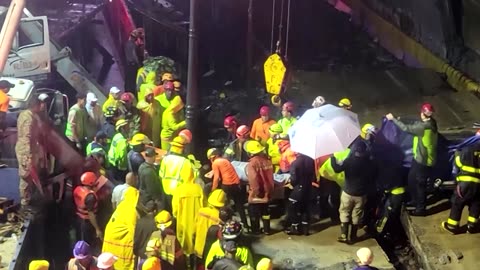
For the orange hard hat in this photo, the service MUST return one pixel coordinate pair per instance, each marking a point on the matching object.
(186, 134)
(88, 179)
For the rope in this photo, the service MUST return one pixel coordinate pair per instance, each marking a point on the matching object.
(288, 29)
(273, 26)
(280, 27)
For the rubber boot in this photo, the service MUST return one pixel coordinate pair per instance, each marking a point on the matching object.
(343, 238)
(305, 228)
(450, 228)
(243, 219)
(266, 224)
(353, 234)
(473, 228)
(255, 225)
(292, 230)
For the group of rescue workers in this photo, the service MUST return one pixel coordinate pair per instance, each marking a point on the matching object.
(163, 215)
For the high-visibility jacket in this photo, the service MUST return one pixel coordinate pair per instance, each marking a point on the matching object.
(93, 145)
(243, 255)
(424, 140)
(468, 162)
(174, 170)
(117, 154)
(206, 217)
(81, 118)
(151, 120)
(79, 195)
(286, 123)
(111, 102)
(149, 83)
(326, 171)
(274, 152)
(170, 250)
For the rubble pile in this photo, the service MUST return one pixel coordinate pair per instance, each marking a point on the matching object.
(11, 224)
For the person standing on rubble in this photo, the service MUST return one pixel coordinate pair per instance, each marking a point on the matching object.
(27, 150)
(134, 56)
(76, 130)
(425, 139)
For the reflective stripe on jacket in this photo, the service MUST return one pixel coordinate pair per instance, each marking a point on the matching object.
(173, 171)
(468, 162)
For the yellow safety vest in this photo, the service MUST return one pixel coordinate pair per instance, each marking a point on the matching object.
(171, 172)
(117, 154)
(80, 119)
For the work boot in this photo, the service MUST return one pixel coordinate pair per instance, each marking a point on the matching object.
(343, 238)
(305, 228)
(292, 230)
(450, 228)
(255, 225)
(353, 234)
(473, 228)
(266, 225)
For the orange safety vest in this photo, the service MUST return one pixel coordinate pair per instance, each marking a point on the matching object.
(79, 195)
(170, 249)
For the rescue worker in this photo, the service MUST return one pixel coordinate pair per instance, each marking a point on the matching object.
(27, 151)
(173, 121)
(134, 156)
(143, 230)
(148, 85)
(235, 150)
(150, 185)
(106, 261)
(224, 171)
(231, 231)
(177, 86)
(4, 103)
(467, 192)
(95, 115)
(302, 176)
(261, 126)
(113, 99)
(99, 141)
(288, 119)
(272, 144)
(108, 127)
(260, 180)
(425, 139)
(171, 253)
(151, 118)
(228, 261)
(82, 258)
(186, 201)
(134, 55)
(168, 94)
(186, 135)
(318, 102)
(206, 217)
(215, 231)
(76, 130)
(130, 113)
(230, 123)
(288, 156)
(174, 170)
(117, 153)
(160, 89)
(86, 203)
(39, 265)
(345, 103)
(359, 171)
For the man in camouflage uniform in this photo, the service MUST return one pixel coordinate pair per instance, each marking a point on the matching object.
(28, 151)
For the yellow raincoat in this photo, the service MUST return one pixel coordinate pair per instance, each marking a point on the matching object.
(151, 118)
(141, 75)
(327, 172)
(206, 217)
(149, 83)
(120, 230)
(111, 102)
(172, 121)
(162, 98)
(186, 202)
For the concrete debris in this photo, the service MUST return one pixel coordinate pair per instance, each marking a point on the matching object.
(444, 259)
(455, 255)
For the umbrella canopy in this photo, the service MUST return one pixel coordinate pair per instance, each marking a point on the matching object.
(323, 131)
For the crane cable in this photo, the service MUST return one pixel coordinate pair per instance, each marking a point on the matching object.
(280, 27)
(288, 29)
(273, 26)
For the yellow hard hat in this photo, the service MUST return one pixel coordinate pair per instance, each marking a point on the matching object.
(212, 152)
(163, 219)
(217, 198)
(344, 102)
(120, 123)
(253, 147)
(265, 264)
(139, 139)
(39, 265)
(167, 77)
(178, 142)
(367, 129)
(152, 263)
(153, 244)
(275, 128)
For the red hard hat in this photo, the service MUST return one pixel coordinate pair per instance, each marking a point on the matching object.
(264, 111)
(187, 134)
(126, 97)
(230, 122)
(88, 179)
(427, 109)
(242, 131)
(288, 106)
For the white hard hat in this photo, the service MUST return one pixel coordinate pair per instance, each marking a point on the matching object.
(115, 90)
(91, 97)
(365, 256)
(42, 97)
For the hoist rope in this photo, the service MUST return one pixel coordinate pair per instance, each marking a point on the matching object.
(280, 27)
(288, 29)
(273, 26)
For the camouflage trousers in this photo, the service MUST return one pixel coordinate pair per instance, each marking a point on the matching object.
(25, 191)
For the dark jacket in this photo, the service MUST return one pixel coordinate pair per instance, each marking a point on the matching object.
(302, 175)
(149, 184)
(359, 170)
(135, 159)
(224, 264)
(143, 230)
(109, 129)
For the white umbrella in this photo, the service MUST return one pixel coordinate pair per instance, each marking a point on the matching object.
(323, 131)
